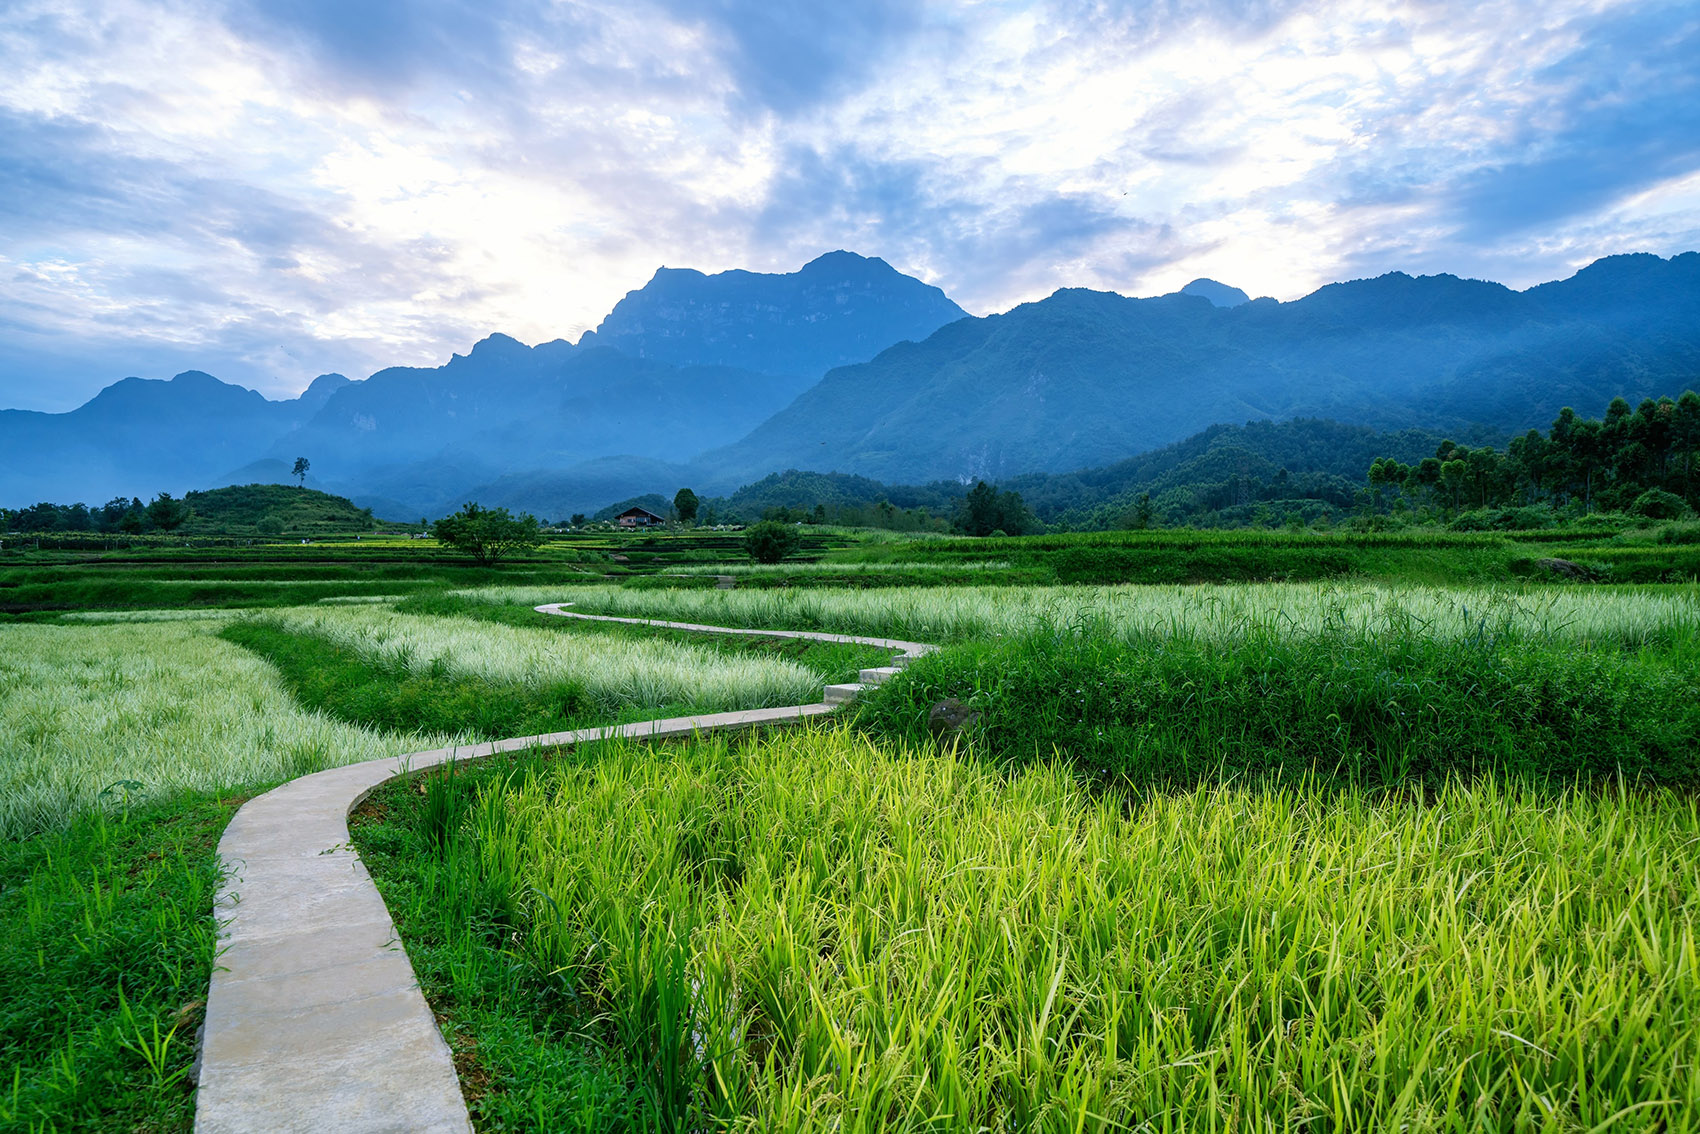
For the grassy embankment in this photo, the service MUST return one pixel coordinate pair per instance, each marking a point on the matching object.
(1665, 553)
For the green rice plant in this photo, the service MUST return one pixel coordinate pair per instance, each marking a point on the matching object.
(812, 931)
(167, 706)
(1401, 708)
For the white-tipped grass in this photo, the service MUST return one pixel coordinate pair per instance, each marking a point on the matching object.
(192, 615)
(94, 716)
(614, 672)
(936, 614)
(815, 933)
(848, 569)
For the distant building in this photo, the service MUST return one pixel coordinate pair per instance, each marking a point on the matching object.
(638, 518)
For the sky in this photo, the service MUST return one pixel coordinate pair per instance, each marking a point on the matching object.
(272, 189)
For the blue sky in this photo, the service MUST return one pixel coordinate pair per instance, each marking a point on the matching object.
(271, 189)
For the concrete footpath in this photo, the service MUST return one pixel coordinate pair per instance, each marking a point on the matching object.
(315, 1021)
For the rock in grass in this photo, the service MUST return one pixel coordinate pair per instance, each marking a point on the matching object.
(951, 717)
(1566, 569)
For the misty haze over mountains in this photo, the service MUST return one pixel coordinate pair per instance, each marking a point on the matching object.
(850, 366)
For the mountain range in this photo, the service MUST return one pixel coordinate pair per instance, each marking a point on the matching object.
(849, 366)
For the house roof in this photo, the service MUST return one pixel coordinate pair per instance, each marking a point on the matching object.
(638, 512)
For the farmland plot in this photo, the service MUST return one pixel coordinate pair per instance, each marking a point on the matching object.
(613, 673)
(1623, 616)
(814, 932)
(101, 716)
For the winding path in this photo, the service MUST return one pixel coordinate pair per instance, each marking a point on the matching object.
(315, 1021)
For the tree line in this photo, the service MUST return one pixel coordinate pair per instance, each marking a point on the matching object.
(1644, 460)
(127, 515)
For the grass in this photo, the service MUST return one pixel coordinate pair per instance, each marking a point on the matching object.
(830, 661)
(104, 965)
(818, 932)
(118, 731)
(1610, 615)
(524, 1042)
(101, 717)
(857, 929)
(598, 674)
(383, 692)
(1314, 710)
(1410, 556)
(32, 586)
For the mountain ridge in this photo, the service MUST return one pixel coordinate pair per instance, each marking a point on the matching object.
(1081, 378)
(1086, 378)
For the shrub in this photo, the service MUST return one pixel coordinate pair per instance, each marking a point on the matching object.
(1503, 520)
(1657, 504)
(769, 542)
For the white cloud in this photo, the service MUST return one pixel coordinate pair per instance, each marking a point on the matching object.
(241, 197)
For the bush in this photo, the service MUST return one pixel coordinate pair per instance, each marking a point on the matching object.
(769, 542)
(1325, 708)
(1503, 520)
(1657, 504)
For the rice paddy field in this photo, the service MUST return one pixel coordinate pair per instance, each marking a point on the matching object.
(819, 932)
(1351, 854)
(1626, 615)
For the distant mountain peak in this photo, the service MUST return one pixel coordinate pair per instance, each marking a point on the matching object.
(839, 308)
(319, 391)
(496, 345)
(1220, 294)
(839, 259)
(198, 378)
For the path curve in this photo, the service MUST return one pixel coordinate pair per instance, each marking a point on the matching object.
(315, 1021)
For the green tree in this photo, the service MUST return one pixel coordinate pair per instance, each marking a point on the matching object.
(1141, 515)
(770, 541)
(299, 472)
(1454, 474)
(487, 534)
(986, 510)
(577, 520)
(167, 514)
(685, 503)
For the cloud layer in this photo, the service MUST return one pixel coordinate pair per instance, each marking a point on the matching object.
(268, 189)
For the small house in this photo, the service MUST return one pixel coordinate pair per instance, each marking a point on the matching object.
(638, 518)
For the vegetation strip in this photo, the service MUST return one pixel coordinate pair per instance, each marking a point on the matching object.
(906, 651)
(314, 1018)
